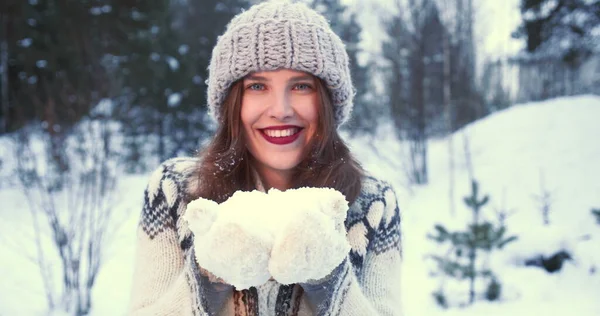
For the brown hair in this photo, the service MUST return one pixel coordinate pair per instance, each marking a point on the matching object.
(225, 165)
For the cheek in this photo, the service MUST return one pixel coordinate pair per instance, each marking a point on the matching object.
(250, 115)
(247, 115)
(310, 113)
(314, 114)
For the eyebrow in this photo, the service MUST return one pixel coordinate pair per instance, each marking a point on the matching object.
(293, 79)
(302, 78)
(255, 78)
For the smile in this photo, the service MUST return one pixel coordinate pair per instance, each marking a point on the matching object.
(281, 135)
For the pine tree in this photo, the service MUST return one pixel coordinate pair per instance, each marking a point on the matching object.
(468, 104)
(495, 95)
(563, 28)
(464, 260)
(164, 69)
(415, 85)
(366, 110)
(54, 52)
(346, 25)
(54, 72)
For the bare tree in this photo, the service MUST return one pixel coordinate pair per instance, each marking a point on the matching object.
(468, 157)
(544, 200)
(502, 211)
(413, 52)
(493, 84)
(430, 50)
(447, 18)
(71, 209)
(460, 101)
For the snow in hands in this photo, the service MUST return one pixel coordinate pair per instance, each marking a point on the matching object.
(294, 236)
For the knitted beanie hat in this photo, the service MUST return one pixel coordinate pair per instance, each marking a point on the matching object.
(279, 34)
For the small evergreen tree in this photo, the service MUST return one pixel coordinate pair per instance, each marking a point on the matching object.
(461, 263)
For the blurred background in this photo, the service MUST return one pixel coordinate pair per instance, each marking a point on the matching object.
(484, 115)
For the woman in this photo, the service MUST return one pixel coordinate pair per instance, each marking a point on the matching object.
(279, 88)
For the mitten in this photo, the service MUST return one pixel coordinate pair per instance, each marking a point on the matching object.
(312, 240)
(227, 241)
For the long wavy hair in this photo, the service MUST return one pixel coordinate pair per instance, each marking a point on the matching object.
(225, 164)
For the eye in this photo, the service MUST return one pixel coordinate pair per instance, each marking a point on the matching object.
(256, 86)
(303, 86)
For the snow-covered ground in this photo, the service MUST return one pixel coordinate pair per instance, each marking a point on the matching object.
(515, 155)
(511, 151)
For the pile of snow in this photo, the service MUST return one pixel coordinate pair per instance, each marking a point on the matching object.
(246, 239)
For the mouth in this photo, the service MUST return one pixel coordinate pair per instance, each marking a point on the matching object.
(281, 135)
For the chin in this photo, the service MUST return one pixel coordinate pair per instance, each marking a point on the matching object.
(282, 165)
(281, 162)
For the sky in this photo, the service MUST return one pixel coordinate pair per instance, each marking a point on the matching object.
(494, 23)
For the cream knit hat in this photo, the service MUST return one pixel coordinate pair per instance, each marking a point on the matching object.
(280, 34)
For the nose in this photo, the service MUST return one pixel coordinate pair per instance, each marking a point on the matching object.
(280, 106)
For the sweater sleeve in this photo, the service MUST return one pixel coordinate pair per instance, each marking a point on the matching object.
(166, 279)
(375, 290)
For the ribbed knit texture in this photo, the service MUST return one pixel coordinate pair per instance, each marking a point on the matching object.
(275, 35)
(167, 279)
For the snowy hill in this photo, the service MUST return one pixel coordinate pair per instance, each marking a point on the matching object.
(516, 155)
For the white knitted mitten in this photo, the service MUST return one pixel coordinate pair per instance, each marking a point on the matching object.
(312, 241)
(227, 241)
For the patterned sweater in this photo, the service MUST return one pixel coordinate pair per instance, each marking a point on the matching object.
(167, 280)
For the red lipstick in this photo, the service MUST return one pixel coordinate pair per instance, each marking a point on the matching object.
(274, 134)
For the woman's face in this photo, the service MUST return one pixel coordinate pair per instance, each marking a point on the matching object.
(279, 113)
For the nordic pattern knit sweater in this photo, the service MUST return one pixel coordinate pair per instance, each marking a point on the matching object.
(167, 279)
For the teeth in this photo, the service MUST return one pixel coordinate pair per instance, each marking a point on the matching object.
(281, 133)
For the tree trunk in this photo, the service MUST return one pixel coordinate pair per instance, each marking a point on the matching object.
(448, 120)
(419, 121)
(473, 254)
(4, 73)
(161, 137)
